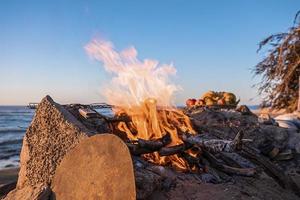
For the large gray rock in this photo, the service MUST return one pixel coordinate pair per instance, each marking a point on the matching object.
(52, 133)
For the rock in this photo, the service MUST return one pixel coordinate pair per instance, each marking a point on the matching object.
(285, 155)
(294, 141)
(278, 135)
(266, 119)
(208, 178)
(38, 192)
(6, 188)
(147, 182)
(51, 134)
(244, 110)
(290, 121)
(287, 124)
(100, 167)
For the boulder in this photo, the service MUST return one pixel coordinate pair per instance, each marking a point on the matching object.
(51, 134)
(290, 121)
(37, 192)
(100, 167)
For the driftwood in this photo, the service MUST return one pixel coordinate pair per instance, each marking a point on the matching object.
(154, 144)
(215, 145)
(136, 150)
(150, 177)
(272, 170)
(150, 144)
(167, 151)
(141, 146)
(228, 169)
(235, 160)
(194, 161)
(146, 182)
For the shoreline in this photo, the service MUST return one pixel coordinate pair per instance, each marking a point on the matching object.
(8, 175)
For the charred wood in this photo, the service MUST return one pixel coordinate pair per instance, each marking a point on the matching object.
(167, 151)
(136, 150)
(153, 145)
(215, 145)
(236, 160)
(228, 169)
(272, 170)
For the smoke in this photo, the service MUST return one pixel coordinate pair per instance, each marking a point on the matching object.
(133, 80)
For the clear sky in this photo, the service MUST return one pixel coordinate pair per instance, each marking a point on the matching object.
(211, 43)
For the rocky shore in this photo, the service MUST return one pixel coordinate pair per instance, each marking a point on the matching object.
(57, 132)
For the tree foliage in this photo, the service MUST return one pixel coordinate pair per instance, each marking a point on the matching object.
(280, 69)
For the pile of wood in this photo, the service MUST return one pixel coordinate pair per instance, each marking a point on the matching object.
(228, 145)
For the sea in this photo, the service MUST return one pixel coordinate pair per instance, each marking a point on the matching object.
(14, 120)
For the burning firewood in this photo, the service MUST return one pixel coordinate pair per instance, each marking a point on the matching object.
(167, 151)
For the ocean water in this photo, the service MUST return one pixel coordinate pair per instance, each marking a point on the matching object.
(14, 121)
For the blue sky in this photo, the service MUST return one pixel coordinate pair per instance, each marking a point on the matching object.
(211, 43)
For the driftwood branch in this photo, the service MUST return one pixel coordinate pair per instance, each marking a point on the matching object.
(167, 151)
(227, 169)
(283, 179)
(215, 145)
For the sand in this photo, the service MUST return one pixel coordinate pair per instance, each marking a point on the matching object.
(8, 175)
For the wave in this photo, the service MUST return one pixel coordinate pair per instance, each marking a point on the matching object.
(9, 142)
(12, 130)
(11, 114)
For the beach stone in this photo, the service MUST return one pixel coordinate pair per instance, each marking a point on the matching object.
(294, 141)
(52, 133)
(266, 119)
(37, 192)
(100, 167)
(278, 136)
(290, 121)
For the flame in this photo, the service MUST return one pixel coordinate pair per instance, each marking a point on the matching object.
(143, 91)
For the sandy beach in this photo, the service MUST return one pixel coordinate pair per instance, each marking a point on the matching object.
(8, 175)
(8, 179)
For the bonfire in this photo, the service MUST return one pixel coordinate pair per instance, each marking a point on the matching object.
(143, 94)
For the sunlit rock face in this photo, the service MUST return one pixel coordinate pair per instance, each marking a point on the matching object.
(52, 133)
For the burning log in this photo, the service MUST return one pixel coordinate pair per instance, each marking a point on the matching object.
(155, 144)
(141, 146)
(150, 144)
(136, 150)
(167, 151)
(194, 161)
